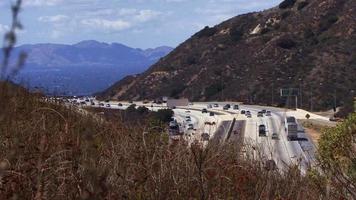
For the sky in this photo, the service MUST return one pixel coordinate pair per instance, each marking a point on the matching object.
(136, 23)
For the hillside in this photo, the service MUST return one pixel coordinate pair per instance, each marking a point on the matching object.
(83, 68)
(306, 44)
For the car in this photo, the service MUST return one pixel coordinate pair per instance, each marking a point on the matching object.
(145, 102)
(243, 112)
(226, 107)
(83, 103)
(130, 101)
(108, 105)
(248, 112)
(275, 136)
(204, 110)
(187, 117)
(209, 106)
(190, 127)
(187, 111)
(236, 107)
(268, 113)
(248, 115)
(262, 130)
(263, 111)
(260, 114)
(191, 103)
(216, 105)
(211, 114)
(119, 104)
(107, 101)
(92, 103)
(209, 123)
(101, 104)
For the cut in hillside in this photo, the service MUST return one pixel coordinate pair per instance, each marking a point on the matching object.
(305, 44)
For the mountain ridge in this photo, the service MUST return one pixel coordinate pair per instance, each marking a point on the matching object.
(83, 68)
(304, 44)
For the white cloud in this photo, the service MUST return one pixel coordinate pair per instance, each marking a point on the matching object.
(146, 15)
(53, 19)
(42, 2)
(106, 25)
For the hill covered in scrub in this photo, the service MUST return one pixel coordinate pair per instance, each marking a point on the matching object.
(305, 44)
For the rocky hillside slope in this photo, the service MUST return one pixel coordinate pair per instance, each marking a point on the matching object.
(305, 44)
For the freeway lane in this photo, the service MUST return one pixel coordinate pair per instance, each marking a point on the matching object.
(282, 151)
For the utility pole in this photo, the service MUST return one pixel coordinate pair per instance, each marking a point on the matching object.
(272, 93)
(311, 98)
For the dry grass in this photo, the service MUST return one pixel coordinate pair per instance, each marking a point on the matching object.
(49, 151)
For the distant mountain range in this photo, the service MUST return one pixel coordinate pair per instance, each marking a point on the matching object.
(304, 44)
(83, 68)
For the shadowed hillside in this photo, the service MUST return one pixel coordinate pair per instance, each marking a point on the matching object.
(304, 44)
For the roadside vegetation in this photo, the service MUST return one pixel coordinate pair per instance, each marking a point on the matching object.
(49, 150)
(52, 151)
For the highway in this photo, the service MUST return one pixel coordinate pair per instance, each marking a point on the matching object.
(283, 152)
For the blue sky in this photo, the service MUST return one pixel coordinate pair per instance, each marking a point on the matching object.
(137, 23)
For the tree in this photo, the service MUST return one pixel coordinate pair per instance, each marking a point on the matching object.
(337, 156)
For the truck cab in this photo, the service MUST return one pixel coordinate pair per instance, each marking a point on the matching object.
(262, 130)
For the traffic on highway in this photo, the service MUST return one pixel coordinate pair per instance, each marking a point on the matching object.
(269, 134)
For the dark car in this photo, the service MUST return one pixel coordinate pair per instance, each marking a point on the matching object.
(262, 130)
(236, 107)
(204, 110)
(243, 112)
(226, 107)
(260, 114)
(264, 111)
(92, 103)
(119, 104)
(211, 114)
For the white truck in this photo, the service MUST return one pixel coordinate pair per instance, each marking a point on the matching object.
(291, 128)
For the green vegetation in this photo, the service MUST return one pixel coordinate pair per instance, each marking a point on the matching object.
(337, 155)
(286, 43)
(287, 4)
(206, 32)
(213, 89)
(236, 34)
(327, 21)
(302, 4)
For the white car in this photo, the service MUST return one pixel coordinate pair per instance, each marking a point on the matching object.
(275, 136)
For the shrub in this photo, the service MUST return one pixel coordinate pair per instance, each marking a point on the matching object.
(164, 115)
(236, 34)
(177, 89)
(286, 43)
(287, 4)
(213, 89)
(327, 21)
(206, 32)
(337, 155)
(285, 14)
(302, 4)
(308, 33)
